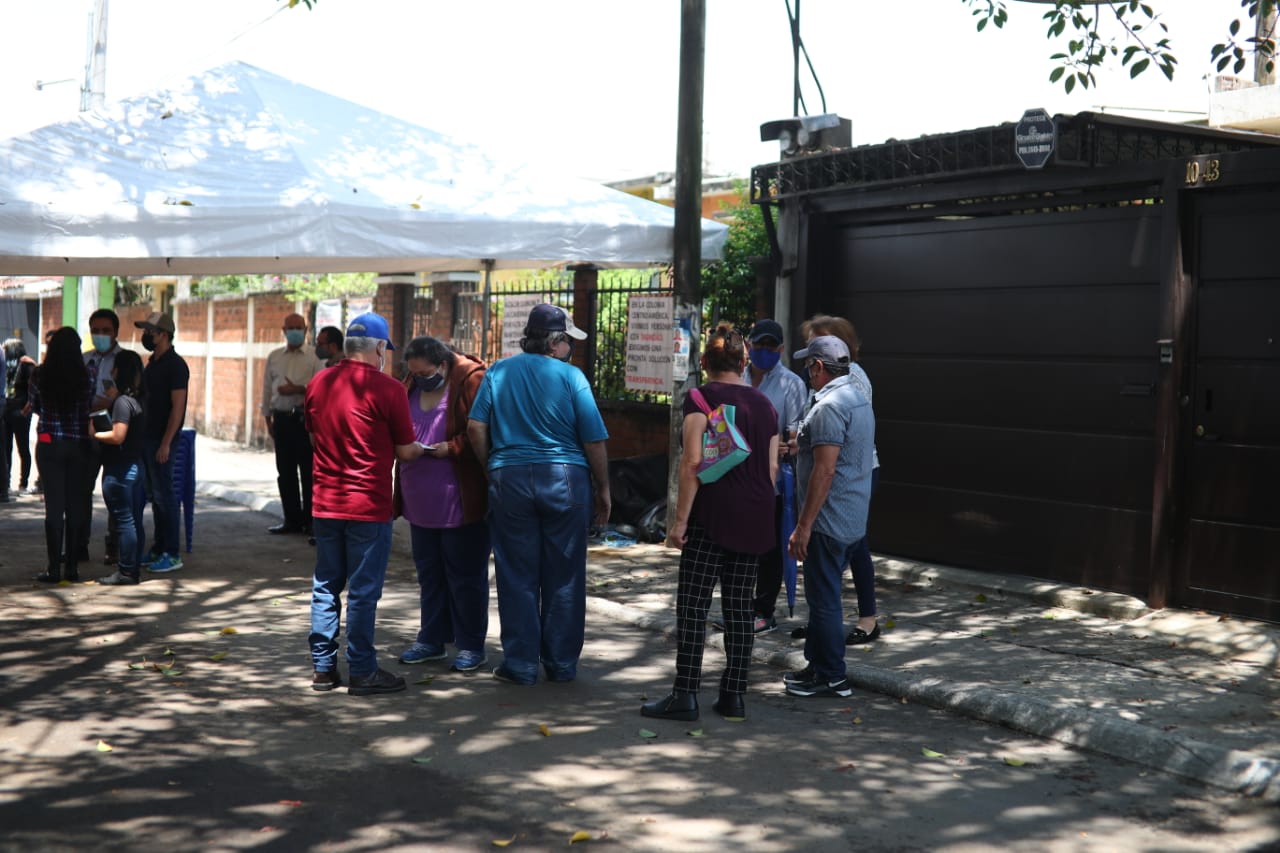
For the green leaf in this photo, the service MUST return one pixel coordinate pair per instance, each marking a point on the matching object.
(982, 25)
(1056, 74)
(645, 733)
(980, 598)
(929, 753)
(694, 733)
(422, 760)
(1014, 762)
(1138, 67)
(1070, 84)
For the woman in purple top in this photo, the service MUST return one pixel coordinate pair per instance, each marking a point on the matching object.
(721, 529)
(60, 395)
(444, 497)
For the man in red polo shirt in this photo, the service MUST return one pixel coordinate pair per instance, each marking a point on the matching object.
(359, 422)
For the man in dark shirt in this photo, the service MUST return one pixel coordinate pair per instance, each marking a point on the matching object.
(164, 407)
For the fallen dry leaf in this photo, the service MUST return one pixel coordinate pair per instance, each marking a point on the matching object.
(217, 657)
(228, 630)
(290, 802)
(694, 733)
(929, 753)
(103, 746)
(580, 835)
(546, 732)
(1014, 762)
(503, 842)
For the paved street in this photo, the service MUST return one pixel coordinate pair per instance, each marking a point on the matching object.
(230, 749)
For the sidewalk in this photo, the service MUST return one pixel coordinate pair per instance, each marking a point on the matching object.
(1188, 693)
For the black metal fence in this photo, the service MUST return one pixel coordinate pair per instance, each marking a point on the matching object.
(481, 317)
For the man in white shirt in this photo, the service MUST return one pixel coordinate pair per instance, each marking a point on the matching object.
(284, 385)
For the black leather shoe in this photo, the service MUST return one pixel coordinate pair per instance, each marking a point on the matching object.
(48, 577)
(380, 682)
(675, 706)
(858, 637)
(326, 680)
(285, 528)
(730, 705)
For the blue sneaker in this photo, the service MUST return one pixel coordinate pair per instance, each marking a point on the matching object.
(149, 558)
(422, 652)
(165, 563)
(469, 661)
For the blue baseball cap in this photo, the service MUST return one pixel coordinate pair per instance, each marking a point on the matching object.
(369, 325)
(553, 318)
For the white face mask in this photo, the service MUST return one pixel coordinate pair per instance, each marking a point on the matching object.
(382, 357)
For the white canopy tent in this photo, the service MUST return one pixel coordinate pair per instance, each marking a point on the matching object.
(237, 170)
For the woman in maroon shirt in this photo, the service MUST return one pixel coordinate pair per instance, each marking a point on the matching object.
(722, 528)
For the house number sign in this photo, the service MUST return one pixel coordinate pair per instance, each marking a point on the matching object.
(1203, 173)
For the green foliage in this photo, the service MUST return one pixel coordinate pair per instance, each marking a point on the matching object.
(729, 284)
(312, 288)
(1129, 32)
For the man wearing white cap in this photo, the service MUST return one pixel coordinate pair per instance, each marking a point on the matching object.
(535, 426)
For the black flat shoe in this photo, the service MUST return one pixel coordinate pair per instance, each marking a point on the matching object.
(800, 633)
(858, 637)
(730, 705)
(674, 706)
(285, 528)
(48, 577)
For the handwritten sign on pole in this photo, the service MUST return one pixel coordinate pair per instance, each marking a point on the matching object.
(515, 314)
(649, 343)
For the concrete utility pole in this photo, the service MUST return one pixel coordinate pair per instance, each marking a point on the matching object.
(94, 94)
(687, 248)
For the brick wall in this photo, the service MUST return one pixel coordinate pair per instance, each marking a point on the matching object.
(636, 429)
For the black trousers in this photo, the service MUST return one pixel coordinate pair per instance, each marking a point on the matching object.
(93, 469)
(293, 467)
(769, 573)
(62, 471)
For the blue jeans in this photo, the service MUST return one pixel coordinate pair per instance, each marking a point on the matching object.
(350, 555)
(158, 481)
(453, 584)
(121, 483)
(823, 567)
(538, 517)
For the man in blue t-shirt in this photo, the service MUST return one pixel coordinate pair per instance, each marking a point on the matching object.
(836, 445)
(535, 427)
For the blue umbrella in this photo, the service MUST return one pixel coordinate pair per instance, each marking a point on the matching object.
(787, 527)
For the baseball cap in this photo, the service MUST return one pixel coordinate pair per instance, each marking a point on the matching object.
(765, 329)
(158, 320)
(369, 325)
(553, 318)
(825, 348)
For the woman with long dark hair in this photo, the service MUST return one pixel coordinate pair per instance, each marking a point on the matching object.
(16, 430)
(721, 528)
(122, 466)
(61, 394)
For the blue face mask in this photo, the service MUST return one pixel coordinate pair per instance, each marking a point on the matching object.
(295, 337)
(101, 343)
(765, 359)
(427, 384)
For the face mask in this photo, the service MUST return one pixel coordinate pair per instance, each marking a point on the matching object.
(295, 337)
(382, 359)
(323, 353)
(101, 343)
(568, 354)
(765, 359)
(427, 384)
(148, 342)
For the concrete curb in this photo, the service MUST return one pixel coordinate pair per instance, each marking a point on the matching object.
(1112, 605)
(1233, 770)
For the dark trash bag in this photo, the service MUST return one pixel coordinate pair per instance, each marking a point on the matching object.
(638, 487)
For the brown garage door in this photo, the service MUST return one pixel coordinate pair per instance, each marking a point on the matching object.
(1014, 369)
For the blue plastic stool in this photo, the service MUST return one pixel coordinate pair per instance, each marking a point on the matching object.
(184, 478)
